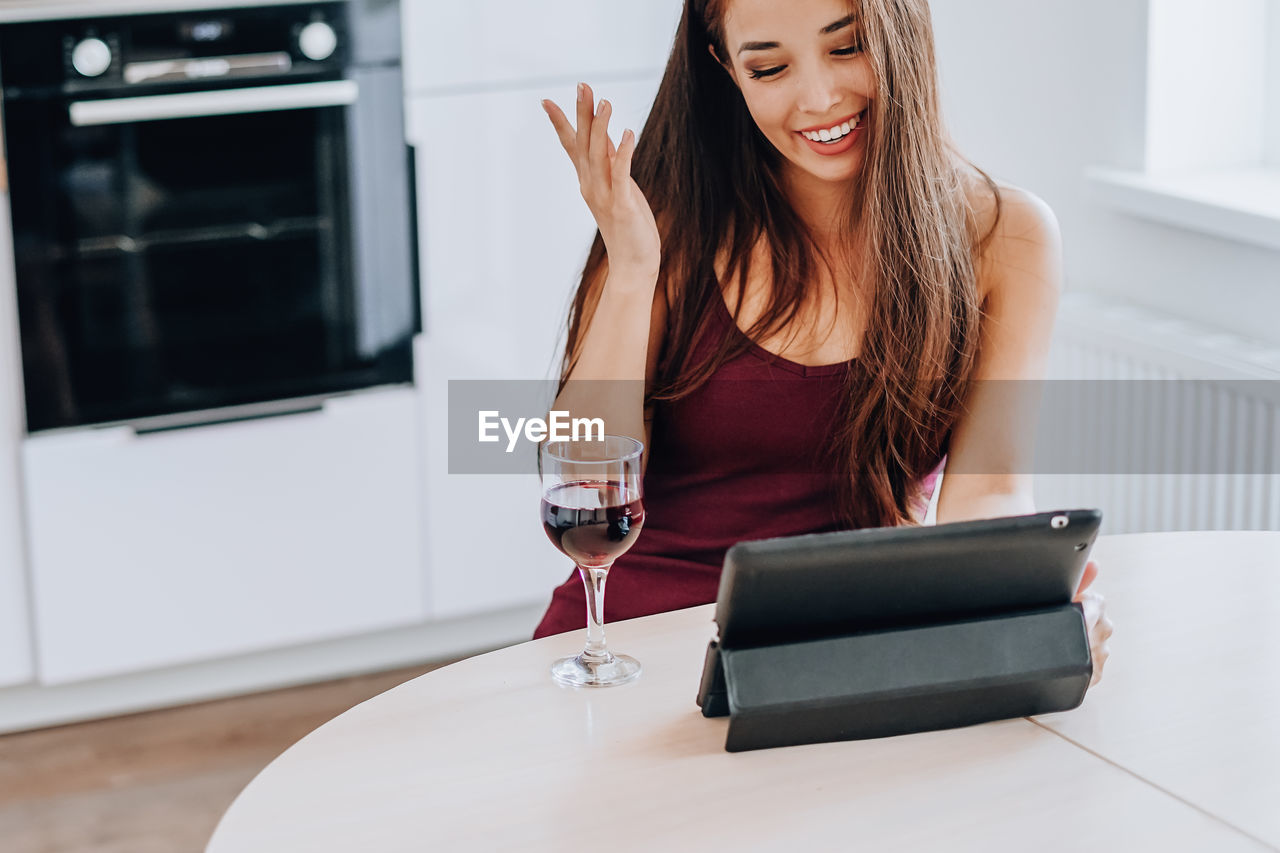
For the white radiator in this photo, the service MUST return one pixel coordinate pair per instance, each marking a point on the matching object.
(1211, 430)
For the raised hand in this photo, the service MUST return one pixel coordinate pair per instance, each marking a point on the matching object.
(620, 209)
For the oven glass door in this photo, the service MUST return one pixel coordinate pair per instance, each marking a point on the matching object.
(172, 261)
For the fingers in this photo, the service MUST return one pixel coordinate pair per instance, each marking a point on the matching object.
(1099, 649)
(1092, 604)
(1100, 630)
(564, 130)
(622, 160)
(599, 156)
(586, 110)
(1087, 579)
(588, 144)
(1100, 656)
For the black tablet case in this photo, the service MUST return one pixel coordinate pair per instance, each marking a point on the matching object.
(872, 633)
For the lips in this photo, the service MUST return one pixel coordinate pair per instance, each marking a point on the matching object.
(840, 146)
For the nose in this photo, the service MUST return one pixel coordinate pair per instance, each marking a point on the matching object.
(819, 91)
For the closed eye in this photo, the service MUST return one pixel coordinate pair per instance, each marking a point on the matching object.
(763, 73)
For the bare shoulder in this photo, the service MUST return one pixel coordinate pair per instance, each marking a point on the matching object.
(1025, 217)
(1023, 244)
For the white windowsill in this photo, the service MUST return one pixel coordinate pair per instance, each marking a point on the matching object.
(1238, 204)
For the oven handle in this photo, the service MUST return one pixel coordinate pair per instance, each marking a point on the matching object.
(277, 62)
(258, 99)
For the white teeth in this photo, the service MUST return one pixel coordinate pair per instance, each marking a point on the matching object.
(832, 134)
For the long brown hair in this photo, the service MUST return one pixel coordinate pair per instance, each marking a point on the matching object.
(710, 174)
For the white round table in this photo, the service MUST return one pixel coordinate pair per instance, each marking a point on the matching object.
(1178, 748)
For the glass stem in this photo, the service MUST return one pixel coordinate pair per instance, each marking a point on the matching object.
(593, 580)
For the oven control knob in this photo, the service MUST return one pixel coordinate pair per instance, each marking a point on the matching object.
(317, 41)
(91, 57)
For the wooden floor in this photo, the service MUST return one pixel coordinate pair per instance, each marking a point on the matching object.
(156, 782)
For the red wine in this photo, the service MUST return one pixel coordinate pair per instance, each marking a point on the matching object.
(591, 522)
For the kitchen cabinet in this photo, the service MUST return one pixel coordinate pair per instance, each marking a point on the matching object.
(15, 639)
(493, 43)
(167, 548)
(504, 234)
(113, 558)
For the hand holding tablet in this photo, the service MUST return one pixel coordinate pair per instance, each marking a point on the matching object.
(867, 633)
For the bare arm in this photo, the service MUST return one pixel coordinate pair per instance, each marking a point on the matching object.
(990, 459)
(993, 446)
(623, 315)
(617, 355)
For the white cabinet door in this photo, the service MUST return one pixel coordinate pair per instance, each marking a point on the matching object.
(487, 43)
(504, 234)
(15, 637)
(154, 550)
(15, 630)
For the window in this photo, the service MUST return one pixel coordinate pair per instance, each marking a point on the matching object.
(1212, 153)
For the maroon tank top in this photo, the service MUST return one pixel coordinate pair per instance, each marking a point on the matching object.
(739, 458)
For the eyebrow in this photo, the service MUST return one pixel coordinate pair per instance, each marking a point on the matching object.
(770, 45)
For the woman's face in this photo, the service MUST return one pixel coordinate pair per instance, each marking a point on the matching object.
(805, 80)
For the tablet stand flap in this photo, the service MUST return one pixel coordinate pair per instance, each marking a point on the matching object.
(906, 680)
(713, 696)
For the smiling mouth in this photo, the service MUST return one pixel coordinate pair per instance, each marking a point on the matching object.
(833, 134)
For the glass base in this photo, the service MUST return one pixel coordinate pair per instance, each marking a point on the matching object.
(581, 671)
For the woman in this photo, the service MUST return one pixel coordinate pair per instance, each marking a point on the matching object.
(806, 286)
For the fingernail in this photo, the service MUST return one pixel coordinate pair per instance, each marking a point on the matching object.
(546, 109)
(582, 91)
(605, 105)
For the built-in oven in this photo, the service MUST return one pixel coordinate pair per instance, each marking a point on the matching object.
(212, 212)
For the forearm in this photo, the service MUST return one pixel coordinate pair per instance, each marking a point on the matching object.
(966, 497)
(607, 380)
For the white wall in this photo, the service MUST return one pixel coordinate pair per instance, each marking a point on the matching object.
(1189, 55)
(1271, 89)
(1035, 93)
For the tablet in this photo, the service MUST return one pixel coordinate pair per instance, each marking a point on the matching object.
(824, 584)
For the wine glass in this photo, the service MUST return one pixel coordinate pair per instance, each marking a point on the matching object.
(592, 511)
